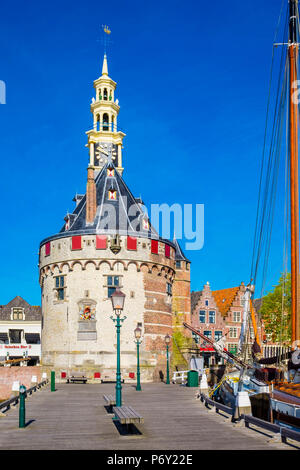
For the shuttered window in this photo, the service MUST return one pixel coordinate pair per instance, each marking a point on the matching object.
(76, 242)
(131, 243)
(47, 249)
(101, 241)
(167, 251)
(154, 246)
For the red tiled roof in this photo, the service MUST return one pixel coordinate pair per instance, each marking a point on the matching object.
(224, 298)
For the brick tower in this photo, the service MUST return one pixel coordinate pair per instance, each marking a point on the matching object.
(108, 241)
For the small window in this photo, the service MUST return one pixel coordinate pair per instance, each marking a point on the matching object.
(196, 338)
(169, 288)
(112, 194)
(76, 242)
(101, 241)
(233, 332)
(237, 316)
(218, 335)
(154, 246)
(212, 316)
(178, 264)
(112, 283)
(105, 94)
(60, 287)
(18, 314)
(206, 303)
(232, 348)
(131, 243)
(47, 249)
(202, 316)
(105, 122)
(167, 251)
(15, 336)
(207, 334)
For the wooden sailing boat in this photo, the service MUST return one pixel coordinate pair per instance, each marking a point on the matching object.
(282, 397)
(285, 397)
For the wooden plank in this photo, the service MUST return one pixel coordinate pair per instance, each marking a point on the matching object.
(71, 418)
(261, 423)
(285, 432)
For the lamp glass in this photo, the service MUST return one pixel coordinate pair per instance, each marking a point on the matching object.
(118, 299)
(137, 332)
(167, 339)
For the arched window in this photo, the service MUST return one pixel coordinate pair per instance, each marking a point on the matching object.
(105, 122)
(98, 122)
(105, 94)
(113, 123)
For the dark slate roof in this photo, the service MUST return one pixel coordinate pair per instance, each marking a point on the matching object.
(32, 312)
(179, 255)
(123, 216)
(195, 297)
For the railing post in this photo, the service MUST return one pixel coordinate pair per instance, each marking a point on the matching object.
(52, 381)
(22, 406)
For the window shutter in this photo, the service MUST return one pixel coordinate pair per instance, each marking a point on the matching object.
(47, 249)
(131, 243)
(167, 251)
(101, 242)
(154, 246)
(76, 242)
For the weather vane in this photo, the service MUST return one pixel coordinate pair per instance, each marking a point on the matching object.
(106, 39)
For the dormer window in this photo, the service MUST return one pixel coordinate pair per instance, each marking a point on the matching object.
(110, 172)
(145, 224)
(112, 194)
(17, 313)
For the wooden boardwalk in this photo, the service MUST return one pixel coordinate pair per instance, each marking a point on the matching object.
(74, 417)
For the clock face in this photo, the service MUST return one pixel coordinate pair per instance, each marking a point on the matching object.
(105, 152)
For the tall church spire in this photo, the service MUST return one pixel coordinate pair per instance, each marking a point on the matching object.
(104, 66)
(105, 140)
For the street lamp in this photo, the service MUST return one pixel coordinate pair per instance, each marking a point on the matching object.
(167, 341)
(118, 299)
(138, 334)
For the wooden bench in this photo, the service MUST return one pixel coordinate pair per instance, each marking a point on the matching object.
(285, 433)
(77, 377)
(127, 415)
(110, 400)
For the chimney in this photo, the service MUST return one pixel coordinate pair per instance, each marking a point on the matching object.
(91, 203)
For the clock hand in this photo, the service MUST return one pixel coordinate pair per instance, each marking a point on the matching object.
(103, 151)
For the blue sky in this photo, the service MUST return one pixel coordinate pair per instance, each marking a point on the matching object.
(192, 84)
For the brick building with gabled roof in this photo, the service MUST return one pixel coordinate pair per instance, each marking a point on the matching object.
(218, 314)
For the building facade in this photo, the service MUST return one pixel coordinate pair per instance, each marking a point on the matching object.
(218, 314)
(108, 241)
(20, 331)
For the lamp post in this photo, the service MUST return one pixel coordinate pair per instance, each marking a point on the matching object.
(138, 334)
(167, 341)
(118, 299)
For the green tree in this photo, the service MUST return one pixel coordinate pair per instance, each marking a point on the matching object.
(276, 310)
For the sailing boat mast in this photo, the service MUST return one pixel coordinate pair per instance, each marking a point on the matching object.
(294, 190)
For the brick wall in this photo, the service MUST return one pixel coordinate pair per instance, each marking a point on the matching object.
(8, 375)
